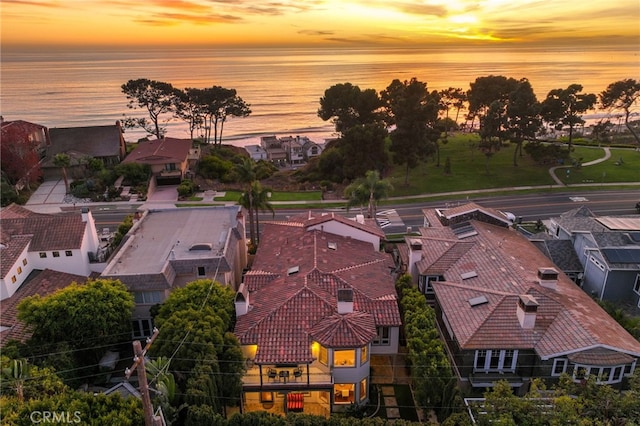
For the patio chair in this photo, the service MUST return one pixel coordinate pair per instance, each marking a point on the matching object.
(272, 373)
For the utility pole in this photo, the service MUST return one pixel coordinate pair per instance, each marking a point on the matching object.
(143, 385)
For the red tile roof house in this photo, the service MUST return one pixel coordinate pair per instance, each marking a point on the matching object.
(504, 310)
(64, 244)
(169, 158)
(319, 301)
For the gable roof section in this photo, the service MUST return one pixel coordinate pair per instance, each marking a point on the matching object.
(41, 283)
(160, 151)
(506, 263)
(94, 141)
(561, 252)
(369, 226)
(288, 311)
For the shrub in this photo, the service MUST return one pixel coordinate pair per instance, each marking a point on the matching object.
(186, 188)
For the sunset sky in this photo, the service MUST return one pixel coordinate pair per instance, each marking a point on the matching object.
(318, 22)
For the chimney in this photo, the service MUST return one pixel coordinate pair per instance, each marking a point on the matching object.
(242, 300)
(360, 218)
(526, 311)
(345, 300)
(548, 278)
(415, 255)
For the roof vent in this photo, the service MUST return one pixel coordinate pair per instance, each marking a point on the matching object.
(293, 270)
(548, 278)
(477, 301)
(527, 310)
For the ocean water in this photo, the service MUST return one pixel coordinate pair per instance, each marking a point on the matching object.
(283, 86)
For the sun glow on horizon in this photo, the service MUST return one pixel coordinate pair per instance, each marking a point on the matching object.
(318, 23)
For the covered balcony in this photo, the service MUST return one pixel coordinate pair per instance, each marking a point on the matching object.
(291, 377)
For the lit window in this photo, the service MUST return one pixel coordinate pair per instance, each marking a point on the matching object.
(344, 358)
(363, 389)
(323, 355)
(14, 279)
(56, 254)
(68, 253)
(43, 255)
(364, 355)
(19, 270)
(343, 393)
(24, 262)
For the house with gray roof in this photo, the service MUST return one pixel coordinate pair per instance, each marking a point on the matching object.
(105, 143)
(169, 248)
(506, 312)
(608, 248)
(318, 302)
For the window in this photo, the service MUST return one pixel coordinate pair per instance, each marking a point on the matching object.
(170, 166)
(382, 337)
(364, 355)
(24, 262)
(344, 358)
(424, 283)
(56, 254)
(142, 328)
(603, 374)
(68, 253)
(343, 393)
(363, 389)
(201, 271)
(323, 355)
(19, 270)
(636, 286)
(147, 297)
(559, 366)
(495, 360)
(43, 255)
(14, 279)
(266, 396)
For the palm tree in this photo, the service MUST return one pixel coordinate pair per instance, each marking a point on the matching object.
(63, 161)
(261, 203)
(246, 172)
(368, 190)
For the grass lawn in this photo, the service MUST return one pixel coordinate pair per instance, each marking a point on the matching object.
(611, 170)
(469, 169)
(277, 196)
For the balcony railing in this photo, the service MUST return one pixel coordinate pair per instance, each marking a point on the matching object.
(281, 377)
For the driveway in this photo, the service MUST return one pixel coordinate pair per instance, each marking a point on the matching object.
(163, 194)
(49, 192)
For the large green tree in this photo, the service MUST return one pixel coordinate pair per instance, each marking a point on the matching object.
(485, 91)
(363, 148)
(156, 97)
(523, 116)
(196, 324)
(563, 107)
(81, 319)
(622, 95)
(349, 106)
(414, 112)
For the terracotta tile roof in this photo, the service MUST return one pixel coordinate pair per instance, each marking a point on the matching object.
(42, 283)
(506, 265)
(160, 151)
(38, 232)
(345, 331)
(600, 356)
(289, 305)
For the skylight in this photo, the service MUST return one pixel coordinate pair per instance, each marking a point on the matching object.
(467, 275)
(332, 246)
(293, 270)
(477, 301)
